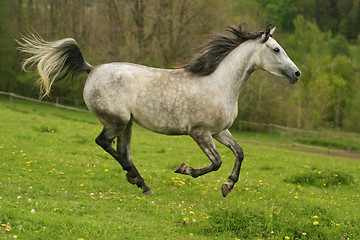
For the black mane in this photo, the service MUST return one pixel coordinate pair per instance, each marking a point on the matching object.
(215, 50)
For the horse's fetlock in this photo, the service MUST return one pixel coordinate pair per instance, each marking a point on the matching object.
(132, 178)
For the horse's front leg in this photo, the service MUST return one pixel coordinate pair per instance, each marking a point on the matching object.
(207, 145)
(227, 139)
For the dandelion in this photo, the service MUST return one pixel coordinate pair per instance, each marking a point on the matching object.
(315, 223)
(106, 170)
(185, 219)
(287, 238)
(3, 225)
(7, 229)
(191, 234)
(315, 217)
(192, 213)
(1, 198)
(304, 233)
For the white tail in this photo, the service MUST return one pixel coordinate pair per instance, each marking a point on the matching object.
(51, 59)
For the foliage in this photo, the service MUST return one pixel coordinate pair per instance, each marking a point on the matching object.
(56, 183)
(327, 75)
(162, 33)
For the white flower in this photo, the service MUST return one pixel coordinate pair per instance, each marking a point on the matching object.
(32, 210)
(18, 197)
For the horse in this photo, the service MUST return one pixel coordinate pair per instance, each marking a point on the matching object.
(199, 99)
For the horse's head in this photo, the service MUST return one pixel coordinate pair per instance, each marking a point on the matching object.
(273, 59)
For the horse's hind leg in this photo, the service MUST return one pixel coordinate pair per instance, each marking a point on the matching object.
(227, 139)
(105, 140)
(123, 148)
(207, 145)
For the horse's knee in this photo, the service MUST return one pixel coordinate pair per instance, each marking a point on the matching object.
(240, 153)
(216, 164)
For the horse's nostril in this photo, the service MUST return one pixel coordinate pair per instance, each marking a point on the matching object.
(297, 73)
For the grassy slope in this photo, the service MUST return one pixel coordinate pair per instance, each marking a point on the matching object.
(51, 164)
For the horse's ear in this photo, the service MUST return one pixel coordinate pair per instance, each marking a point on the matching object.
(268, 33)
(272, 31)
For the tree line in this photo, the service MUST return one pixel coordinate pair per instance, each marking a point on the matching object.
(321, 37)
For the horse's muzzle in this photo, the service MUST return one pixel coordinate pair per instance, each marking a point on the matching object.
(293, 79)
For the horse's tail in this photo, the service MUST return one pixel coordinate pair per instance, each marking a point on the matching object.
(55, 60)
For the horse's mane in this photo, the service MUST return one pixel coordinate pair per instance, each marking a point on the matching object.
(215, 50)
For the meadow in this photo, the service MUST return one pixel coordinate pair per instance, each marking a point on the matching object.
(56, 183)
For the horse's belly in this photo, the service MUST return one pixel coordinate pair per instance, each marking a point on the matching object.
(162, 122)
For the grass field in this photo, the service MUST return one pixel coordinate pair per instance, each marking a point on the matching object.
(56, 183)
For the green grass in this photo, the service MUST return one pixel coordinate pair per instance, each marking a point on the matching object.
(56, 183)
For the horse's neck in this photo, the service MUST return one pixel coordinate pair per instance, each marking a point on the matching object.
(235, 69)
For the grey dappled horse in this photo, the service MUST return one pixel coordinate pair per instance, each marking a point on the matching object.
(200, 99)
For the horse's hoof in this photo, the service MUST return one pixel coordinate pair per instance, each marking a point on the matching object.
(181, 168)
(131, 178)
(225, 190)
(149, 192)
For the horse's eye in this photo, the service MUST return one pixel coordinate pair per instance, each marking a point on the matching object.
(276, 50)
